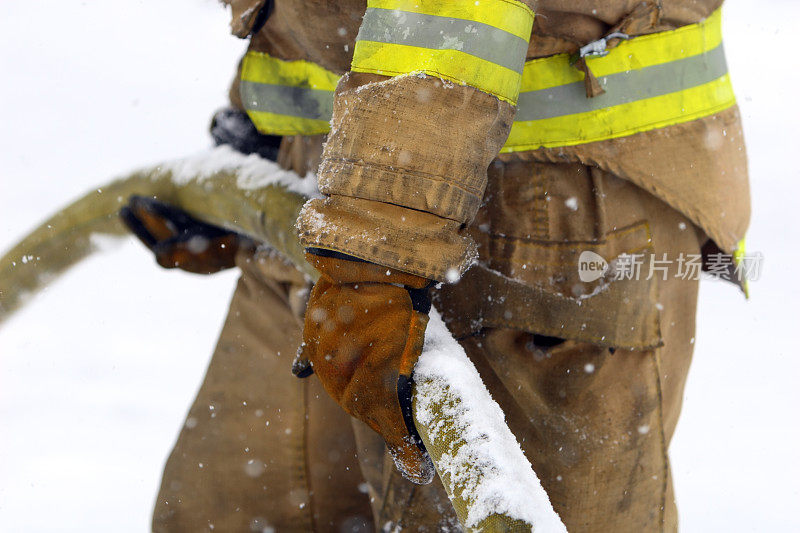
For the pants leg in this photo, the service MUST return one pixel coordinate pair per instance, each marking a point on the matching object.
(398, 504)
(262, 450)
(595, 425)
(595, 421)
(597, 438)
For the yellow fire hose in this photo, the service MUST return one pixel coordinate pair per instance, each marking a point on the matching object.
(267, 214)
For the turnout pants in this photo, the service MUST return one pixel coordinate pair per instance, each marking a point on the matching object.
(590, 375)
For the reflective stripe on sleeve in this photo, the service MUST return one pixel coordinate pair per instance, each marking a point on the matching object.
(481, 44)
(287, 97)
(651, 81)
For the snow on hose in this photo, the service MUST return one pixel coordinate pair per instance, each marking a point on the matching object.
(247, 194)
(491, 485)
(490, 482)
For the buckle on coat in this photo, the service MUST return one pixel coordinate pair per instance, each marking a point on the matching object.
(599, 48)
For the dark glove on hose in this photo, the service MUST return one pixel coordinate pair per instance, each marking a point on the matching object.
(179, 240)
(364, 331)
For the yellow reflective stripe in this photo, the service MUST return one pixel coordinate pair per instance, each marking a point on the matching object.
(662, 47)
(263, 68)
(693, 52)
(509, 15)
(553, 111)
(276, 124)
(738, 260)
(481, 44)
(451, 65)
(549, 72)
(287, 97)
(622, 120)
(740, 252)
(637, 53)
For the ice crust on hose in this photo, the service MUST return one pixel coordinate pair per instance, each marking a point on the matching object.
(253, 171)
(485, 463)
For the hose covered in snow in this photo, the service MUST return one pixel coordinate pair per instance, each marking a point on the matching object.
(492, 486)
(246, 194)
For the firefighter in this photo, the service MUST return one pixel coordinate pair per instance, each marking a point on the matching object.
(474, 153)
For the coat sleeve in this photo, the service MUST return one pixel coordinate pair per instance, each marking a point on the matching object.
(427, 105)
(244, 14)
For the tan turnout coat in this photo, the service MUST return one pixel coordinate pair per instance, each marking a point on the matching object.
(590, 377)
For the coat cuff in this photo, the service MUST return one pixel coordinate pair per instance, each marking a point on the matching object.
(404, 172)
(412, 241)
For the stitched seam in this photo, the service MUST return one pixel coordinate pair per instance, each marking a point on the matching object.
(395, 170)
(628, 251)
(636, 226)
(306, 468)
(436, 73)
(577, 336)
(554, 332)
(381, 515)
(520, 5)
(643, 225)
(406, 507)
(443, 215)
(437, 215)
(662, 439)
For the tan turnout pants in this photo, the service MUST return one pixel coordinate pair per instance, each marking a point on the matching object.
(593, 405)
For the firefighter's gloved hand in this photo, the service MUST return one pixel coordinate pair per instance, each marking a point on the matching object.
(179, 240)
(364, 331)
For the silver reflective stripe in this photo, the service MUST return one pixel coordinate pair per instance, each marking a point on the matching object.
(301, 102)
(481, 40)
(624, 87)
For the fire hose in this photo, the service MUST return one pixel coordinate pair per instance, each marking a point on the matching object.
(490, 483)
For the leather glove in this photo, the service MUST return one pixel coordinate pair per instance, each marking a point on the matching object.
(364, 331)
(179, 240)
(232, 127)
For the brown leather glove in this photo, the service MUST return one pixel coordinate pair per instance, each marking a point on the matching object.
(179, 240)
(364, 331)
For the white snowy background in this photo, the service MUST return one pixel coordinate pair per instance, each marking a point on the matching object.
(97, 372)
